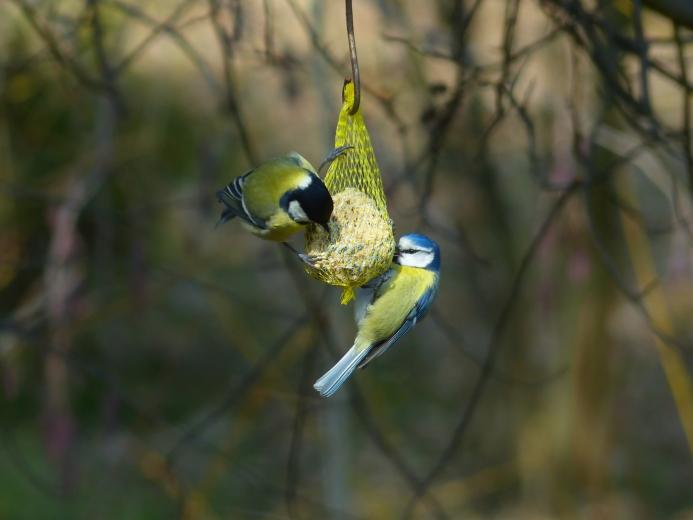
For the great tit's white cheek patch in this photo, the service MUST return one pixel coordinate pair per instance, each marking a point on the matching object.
(305, 182)
(296, 212)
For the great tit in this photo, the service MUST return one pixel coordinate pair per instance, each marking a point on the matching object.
(388, 307)
(279, 197)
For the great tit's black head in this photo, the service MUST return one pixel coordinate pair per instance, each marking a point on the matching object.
(310, 202)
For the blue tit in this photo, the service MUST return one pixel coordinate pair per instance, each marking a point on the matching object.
(388, 307)
(276, 199)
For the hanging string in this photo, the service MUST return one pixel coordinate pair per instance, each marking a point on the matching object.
(355, 74)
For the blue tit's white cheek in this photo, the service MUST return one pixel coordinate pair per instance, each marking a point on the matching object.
(417, 259)
(296, 212)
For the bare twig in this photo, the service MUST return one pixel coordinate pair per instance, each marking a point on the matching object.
(231, 103)
(687, 144)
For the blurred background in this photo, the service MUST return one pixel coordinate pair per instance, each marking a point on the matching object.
(152, 366)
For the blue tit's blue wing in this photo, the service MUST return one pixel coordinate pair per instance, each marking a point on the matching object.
(417, 313)
(381, 348)
(425, 301)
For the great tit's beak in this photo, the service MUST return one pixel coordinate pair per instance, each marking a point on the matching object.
(325, 226)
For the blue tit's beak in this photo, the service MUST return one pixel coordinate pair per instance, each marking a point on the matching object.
(395, 257)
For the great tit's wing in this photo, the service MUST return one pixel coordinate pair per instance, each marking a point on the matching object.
(235, 188)
(417, 313)
(232, 198)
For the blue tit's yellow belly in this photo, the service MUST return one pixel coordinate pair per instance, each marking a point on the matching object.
(396, 300)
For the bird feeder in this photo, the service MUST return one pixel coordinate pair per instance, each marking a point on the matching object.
(361, 243)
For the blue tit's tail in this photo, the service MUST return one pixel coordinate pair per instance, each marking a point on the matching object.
(333, 379)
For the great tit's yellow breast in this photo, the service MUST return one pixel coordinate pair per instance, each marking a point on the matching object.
(279, 227)
(396, 300)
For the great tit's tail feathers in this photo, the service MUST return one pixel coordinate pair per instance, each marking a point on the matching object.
(225, 216)
(333, 379)
(232, 194)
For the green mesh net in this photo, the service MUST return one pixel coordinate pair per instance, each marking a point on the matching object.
(357, 168)
(361, 243)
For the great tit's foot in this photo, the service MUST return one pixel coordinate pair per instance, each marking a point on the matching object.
(331, 157)
(306, 259)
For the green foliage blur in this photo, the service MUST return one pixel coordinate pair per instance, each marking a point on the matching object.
(154, 366)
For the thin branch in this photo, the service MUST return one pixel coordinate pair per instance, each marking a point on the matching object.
(686, 143)
(293, 465)
(230, 96)
(55, 48)
(108, 74)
